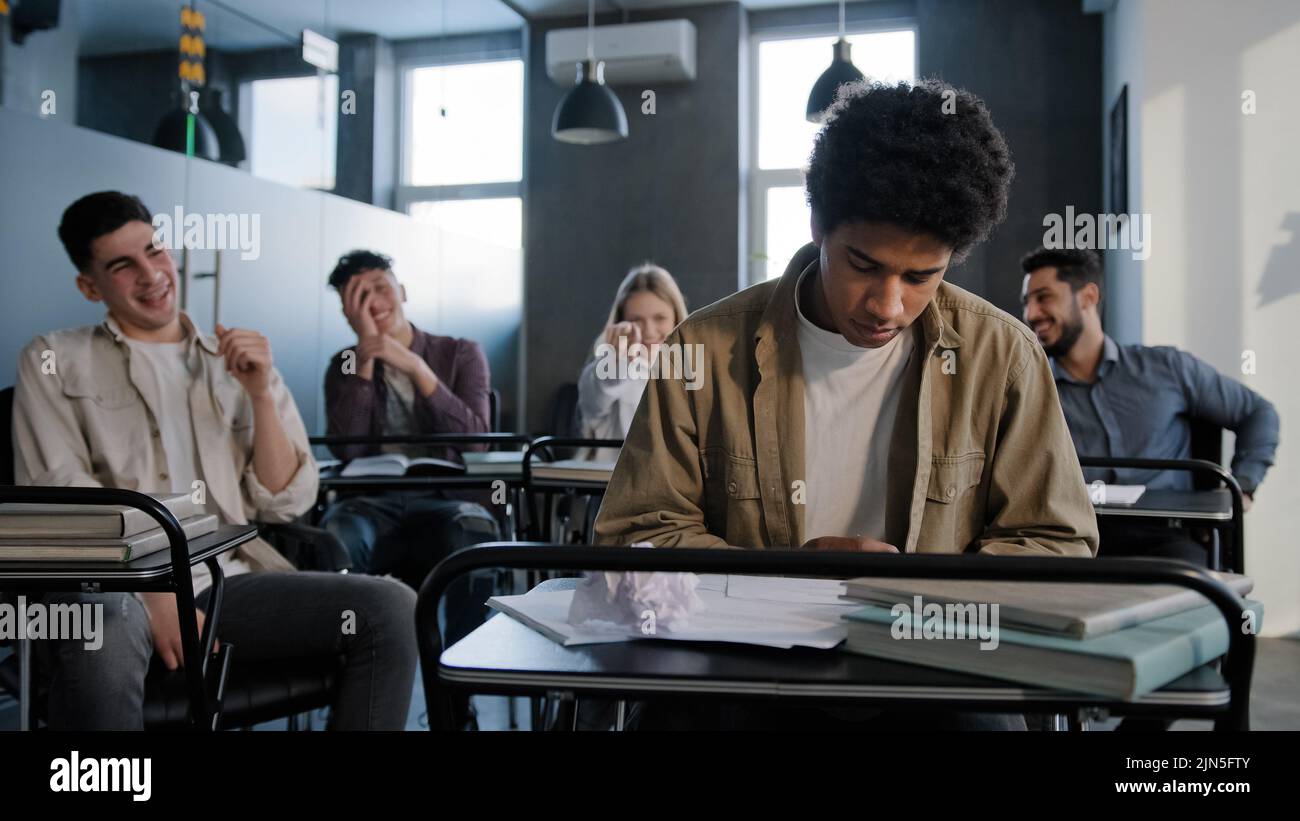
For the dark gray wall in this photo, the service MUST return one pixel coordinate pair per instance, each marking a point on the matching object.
(670, 193)
(1038, 66)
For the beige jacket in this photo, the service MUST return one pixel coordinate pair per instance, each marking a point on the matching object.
(981, 459)
(80, 420)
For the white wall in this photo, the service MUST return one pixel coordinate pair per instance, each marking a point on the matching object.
(1223, 191)
(456, 285)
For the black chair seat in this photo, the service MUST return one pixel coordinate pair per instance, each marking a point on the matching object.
(255, 692)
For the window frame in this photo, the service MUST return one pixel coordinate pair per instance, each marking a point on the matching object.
(761, 180)
(405, 194)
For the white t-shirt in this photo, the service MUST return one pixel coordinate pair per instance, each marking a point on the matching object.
(850, 400)
(167, 376)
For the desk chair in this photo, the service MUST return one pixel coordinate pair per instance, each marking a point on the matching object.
(612, 671)
(1208, 473)
(254, 693)
(554, 513)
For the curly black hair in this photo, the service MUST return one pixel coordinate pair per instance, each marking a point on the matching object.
(924, 156)
(354, 262)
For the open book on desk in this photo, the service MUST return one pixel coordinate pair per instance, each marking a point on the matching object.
(397, 464)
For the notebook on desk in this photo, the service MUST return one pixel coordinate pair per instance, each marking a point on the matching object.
(23, 520)
(1066, 608)
(88, 549)
(1125, 664)
(494, 463)
(574, 470)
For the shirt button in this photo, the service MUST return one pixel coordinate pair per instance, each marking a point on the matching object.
(732, 487)
(952, 491)
(154, 433)
(162, 476)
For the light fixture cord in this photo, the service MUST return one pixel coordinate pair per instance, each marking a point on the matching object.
(591, 30)
(841, 19)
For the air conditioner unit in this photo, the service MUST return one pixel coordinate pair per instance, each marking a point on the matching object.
(660, 51)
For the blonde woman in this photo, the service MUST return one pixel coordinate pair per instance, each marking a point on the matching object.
(646, 308)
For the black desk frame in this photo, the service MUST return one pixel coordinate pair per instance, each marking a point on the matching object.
(205, 683)
(380, 484)
(1236, 560)
(541, 518)
(1237, 666)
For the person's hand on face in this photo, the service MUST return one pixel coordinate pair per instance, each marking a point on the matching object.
(248, 358)
(356, 307)
(632, 332)
(849, 544)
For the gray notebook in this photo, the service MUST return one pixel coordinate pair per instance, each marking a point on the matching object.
(81, 549)
(1078, 610)
(24, 520)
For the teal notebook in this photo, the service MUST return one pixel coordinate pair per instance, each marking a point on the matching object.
(1125, 664)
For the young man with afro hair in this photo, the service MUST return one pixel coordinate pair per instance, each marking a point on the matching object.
(860, 402)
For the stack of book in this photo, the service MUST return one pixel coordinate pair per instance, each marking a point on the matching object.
(89, 533)
(1116, 640)
(574, 470)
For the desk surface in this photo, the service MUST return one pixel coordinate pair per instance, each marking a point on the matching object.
(505, 656)
(1176, 504)
(153, 566)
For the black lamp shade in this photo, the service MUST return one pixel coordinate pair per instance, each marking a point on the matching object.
(230, 143)
(171, 134)
(840, 71)
(590, 113)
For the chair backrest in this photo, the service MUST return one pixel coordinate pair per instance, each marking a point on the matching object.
(1207, 444)
(7, 440)
(564, 412)
(494, 411)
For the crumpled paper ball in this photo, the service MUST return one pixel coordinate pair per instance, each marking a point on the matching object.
(648, 601)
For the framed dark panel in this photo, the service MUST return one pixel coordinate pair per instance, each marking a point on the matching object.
(1119, 154)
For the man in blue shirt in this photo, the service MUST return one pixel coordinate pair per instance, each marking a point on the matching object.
(1136, 401)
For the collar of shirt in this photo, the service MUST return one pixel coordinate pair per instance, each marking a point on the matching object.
(191, 331)
(1109, 356)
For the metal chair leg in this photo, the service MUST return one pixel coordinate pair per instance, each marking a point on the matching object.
(23, 650)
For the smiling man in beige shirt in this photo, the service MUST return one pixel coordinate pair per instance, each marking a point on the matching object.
(145, 401)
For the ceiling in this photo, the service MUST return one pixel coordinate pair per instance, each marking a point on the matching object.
(569, 8)
(139, 25)
(142, 25)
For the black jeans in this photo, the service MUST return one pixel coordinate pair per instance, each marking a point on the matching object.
(1127, 538)
(369, 622)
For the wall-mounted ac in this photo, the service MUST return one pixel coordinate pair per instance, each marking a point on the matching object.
(660, 51)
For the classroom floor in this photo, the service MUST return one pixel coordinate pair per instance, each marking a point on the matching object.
(1274, 699)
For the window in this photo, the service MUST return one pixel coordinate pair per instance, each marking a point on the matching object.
(291, 127)
(784, 71)
(463, 149)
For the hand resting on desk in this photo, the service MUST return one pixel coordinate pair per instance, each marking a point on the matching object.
(849, 544)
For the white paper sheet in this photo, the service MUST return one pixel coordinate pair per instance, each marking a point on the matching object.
(759, 616)
(1116, 494)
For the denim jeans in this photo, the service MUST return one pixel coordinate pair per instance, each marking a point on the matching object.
(264, 616)
(406, 534)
